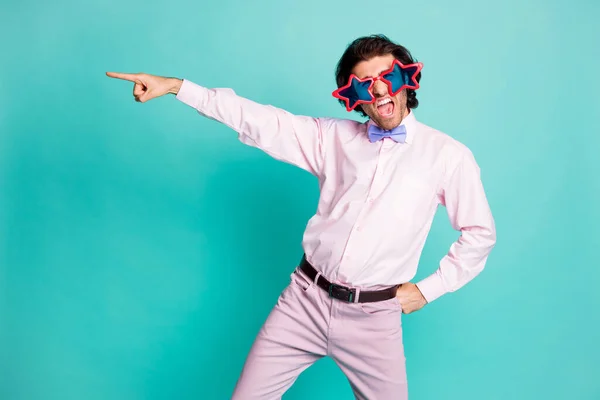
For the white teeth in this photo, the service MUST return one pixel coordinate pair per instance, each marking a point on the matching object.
(384, 101)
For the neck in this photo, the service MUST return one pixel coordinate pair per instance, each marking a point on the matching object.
(403, 114)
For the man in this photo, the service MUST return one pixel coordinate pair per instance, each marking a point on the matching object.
(380, 183)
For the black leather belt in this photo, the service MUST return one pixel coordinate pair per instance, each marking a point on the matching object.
(345, 293)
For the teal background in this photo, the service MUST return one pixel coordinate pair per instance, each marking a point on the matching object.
(142, 246)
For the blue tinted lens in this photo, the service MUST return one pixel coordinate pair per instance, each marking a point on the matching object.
(362, 90)
(357, 91)
(400, 77)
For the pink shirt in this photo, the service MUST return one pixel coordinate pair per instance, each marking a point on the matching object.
(377, 200)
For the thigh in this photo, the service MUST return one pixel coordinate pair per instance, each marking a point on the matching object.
(370, 350)
(291, 339)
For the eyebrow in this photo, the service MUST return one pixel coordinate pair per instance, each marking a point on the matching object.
(382, 71)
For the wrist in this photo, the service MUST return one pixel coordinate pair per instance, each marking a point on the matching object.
(175, 85)
(421, 293)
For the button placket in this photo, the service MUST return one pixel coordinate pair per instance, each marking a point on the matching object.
(347, 257)
(376, 178)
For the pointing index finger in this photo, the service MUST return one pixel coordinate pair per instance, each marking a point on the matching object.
(127, 77)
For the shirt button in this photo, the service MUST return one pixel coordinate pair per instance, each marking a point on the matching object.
(370, 200)
(358, 228)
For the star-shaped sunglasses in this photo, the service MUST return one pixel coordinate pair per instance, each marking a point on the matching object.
(360, 91)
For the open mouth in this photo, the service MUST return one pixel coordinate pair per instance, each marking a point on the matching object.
(385, 108)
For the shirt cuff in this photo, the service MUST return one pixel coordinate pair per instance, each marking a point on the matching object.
(191, 94)
(432, 287)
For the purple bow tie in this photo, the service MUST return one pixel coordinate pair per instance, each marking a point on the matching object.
(398, 134)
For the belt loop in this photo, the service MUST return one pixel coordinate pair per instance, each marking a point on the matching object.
(357, 295)
(317, 278)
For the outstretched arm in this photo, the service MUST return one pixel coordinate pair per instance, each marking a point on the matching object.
(294, 139)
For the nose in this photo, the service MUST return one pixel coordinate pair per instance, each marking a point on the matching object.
(380, 88)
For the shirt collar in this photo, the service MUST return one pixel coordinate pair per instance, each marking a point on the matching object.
(409, 121)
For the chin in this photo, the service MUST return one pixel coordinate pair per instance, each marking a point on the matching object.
(387, 123)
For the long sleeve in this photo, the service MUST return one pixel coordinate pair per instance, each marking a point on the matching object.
(293, 139)
(463, 195)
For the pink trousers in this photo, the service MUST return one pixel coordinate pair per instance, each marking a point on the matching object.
(364, 340)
